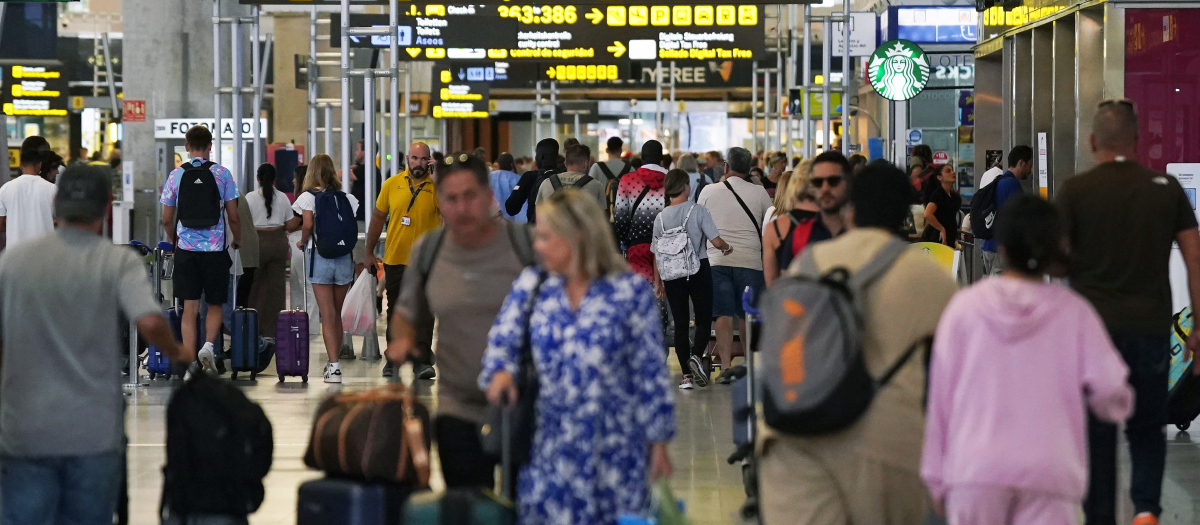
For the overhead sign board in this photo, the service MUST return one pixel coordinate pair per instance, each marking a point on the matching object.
(33, 89)
(460, 92)
(331, 3)
(593, 34)
(898, 70)
(446, 27)
(177, 128)
(864, 35)
(932, 24)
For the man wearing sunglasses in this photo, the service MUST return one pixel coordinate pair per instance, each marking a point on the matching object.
(830, 172)
(1123, 219)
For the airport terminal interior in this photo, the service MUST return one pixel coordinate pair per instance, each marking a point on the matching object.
(982, 100)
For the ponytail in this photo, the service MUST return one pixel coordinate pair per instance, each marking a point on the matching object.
(266, 179)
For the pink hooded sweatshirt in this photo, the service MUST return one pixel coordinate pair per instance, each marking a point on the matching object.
(1016, 365)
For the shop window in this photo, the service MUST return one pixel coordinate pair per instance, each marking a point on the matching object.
(1162, 76)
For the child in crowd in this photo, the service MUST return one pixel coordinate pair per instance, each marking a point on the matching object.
(1017, 364)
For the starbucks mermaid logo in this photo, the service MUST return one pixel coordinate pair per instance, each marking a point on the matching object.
(898, 70)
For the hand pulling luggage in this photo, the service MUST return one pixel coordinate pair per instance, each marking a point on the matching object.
(243, 329)
(472, 506)
(291, 339)
(381, 434)
(338, 501)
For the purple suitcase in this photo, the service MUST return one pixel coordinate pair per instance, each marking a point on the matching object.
(291, 344)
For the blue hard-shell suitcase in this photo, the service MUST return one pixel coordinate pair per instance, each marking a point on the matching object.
(244, 347)
(336, 501)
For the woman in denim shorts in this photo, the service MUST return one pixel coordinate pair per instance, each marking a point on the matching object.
(330, 278)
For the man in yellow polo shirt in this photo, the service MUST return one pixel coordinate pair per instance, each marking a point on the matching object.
(408, 205)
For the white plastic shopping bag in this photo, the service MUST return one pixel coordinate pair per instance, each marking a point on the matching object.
(358, 311)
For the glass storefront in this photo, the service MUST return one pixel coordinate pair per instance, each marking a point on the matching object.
(945, 114)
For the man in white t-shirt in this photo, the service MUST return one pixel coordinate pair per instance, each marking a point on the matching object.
(736, 206)
(27, 202)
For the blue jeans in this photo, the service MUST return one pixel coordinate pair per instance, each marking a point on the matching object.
(66, 490)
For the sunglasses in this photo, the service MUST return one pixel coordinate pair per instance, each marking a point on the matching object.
(819, 182)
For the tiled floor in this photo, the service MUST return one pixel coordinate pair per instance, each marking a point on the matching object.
(711, 487)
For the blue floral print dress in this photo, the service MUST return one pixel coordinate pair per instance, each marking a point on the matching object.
(605, 396)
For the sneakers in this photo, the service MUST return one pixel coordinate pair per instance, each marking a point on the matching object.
(333, 373)
(207, 359)
(424, 371)
(389, 370)
(1145, 518)
(700, 371)
(686, 384)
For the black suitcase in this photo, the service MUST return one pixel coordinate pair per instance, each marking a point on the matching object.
(1183, 400)
(337, 501)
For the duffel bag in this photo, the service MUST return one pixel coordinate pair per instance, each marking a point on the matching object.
(377, 435)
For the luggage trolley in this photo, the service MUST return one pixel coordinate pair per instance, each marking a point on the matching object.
(744, 392)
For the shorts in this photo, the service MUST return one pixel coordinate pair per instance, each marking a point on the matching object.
(729, 283)
(204, 273)
(338, 271)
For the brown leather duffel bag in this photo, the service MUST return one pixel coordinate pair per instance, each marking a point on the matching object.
(377, 435)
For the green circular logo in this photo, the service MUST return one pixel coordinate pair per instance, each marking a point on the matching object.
(898, 70)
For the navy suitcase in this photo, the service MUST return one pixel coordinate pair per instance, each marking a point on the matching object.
(157, 362)
(244, 347)
(336, 501)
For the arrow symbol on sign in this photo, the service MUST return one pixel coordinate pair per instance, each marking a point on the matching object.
(550, 73)
(617, 49)
(595, 16)
(462, 74)
(413, 51)
(355, 39)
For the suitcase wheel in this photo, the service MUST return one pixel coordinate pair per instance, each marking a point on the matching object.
(152, 376)
(304, 378)
(1183, 426)
(280, 378)
(253, 375)
(233, 375)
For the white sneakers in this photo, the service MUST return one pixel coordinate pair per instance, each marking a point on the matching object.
(333, 373)
(207, 359)
(686, 384)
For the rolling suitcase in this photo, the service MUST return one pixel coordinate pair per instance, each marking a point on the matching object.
(291, 341)
(243, 330)
(338, 501)
(743, 397)
(157, 362)
(1183, 394)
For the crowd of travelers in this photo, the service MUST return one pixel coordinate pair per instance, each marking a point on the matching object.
(560, 277)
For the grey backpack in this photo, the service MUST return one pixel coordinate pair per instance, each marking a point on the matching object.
(814, 379)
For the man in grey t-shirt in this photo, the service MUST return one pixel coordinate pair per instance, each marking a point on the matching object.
(61, 409)
(473, 269)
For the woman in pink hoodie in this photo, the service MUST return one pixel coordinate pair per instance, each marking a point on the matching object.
(1017, 363)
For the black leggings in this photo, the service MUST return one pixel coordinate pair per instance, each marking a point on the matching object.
(699, 290)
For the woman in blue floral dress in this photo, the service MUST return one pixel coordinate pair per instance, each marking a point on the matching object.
(604, 411)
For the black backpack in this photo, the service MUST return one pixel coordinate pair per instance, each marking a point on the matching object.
(219, 449)
(199, 202)
(335, 230)
(556, 182)
(700, 184)
(983, 209)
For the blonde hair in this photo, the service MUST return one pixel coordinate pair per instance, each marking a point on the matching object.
(321, 174)
(577, 217)
(793, 188)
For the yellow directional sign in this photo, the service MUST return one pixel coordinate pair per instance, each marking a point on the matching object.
(413, 51)
(595, 16)
(616, 15)
(14, 158)
(617, 49)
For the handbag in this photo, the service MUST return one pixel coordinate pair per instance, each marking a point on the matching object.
(379, 435)
(521, 418)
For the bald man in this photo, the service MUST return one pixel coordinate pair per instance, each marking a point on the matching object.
(1122, 221)
(407, 203)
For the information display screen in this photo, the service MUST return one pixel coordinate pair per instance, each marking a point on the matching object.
(460, 92)
(576, 33)
(33, 89)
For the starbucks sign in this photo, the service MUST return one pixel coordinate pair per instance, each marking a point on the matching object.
(898, 70)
